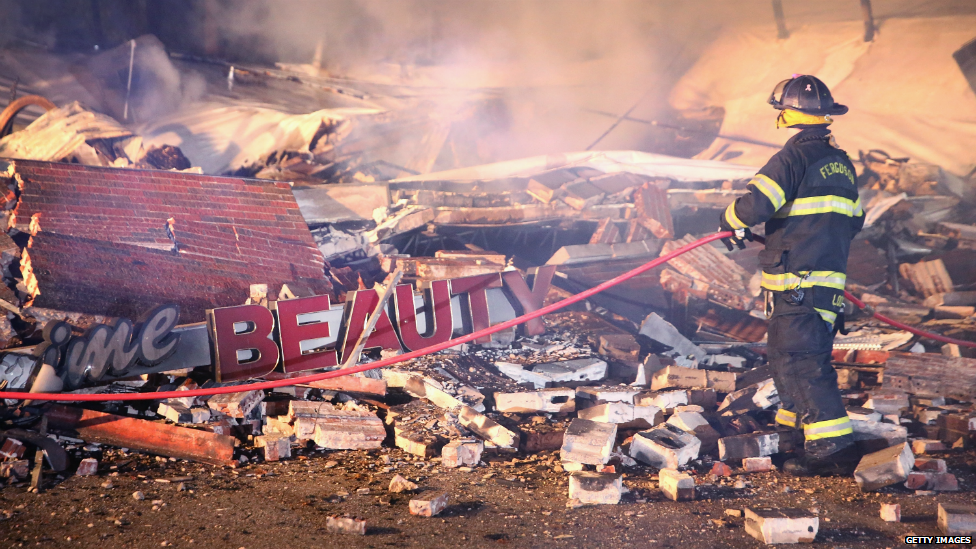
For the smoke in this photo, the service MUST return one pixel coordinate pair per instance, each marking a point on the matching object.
(541, 66)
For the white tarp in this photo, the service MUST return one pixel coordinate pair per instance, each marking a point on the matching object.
(221, 138)
(651, 165)
(905, 91)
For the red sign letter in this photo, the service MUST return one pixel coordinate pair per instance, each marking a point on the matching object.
(475, 286)
(531, 301)
(227, 342)
(440, 321)
(359, 305)
(292, 334)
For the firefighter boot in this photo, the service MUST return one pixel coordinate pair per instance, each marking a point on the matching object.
(826, 457)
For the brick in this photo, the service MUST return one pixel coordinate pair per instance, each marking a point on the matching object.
(664, 446)
(773, 526)
(676, 485)
(957, 519)
(891, 512)
(349, 430)
(720, 469)
(588, 442)
(12, 449)
(87, 467)
(462, 453)
(428, 506)
(884, 467)
(275, 447)
(748, 446)
(757, 464)
(930, 465)
(346, 525)
(544, 400)
(927, 446)
(595, 488)
(937, 482)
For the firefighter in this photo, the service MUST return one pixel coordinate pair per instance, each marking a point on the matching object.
(807, 197)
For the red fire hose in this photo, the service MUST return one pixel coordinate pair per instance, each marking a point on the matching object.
(434, 348)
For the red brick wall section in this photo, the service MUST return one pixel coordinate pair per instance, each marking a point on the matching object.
(103, 237)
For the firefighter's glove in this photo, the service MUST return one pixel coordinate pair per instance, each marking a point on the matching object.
(739, 236)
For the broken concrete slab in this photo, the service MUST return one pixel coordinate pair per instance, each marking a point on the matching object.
(486, 428)
(237, 405)
(885, 467)
(676, 486)
(665, 446)
(544, 400)
(553, 373)
(592, 396)
(399, 484)
(661, 331)
(588, 442)
(344, 202)
(595, 488)
(876, 435)
(773, 526)
(348, 430)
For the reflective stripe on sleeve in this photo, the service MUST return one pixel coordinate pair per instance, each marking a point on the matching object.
(771, 189)
(733, 219)
(829, 316)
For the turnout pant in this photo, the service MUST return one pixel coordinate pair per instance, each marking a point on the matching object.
(799, 350)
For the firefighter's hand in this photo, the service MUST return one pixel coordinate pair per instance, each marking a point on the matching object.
(738, 237)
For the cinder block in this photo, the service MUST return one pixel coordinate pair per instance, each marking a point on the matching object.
(697, 425)
(87, 467)
(885, 467)
(588, 442)
(428, 506)
(872, 436)
(463, 452)
(891, 512)
(757, 464)
(665, 446)
(595, 488)
(957, 519)
(346, 525)
(773, 526)
(349, 430)
(552, 401)
(748, 446)
(676, 485)
(624, 414)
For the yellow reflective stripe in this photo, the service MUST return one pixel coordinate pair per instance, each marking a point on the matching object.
(858, 210)
(733, 219)
(785, 417)
(819, 205)
(829, 316)
(789, 281)
(771, 189)
(828, 425)
(830, 434)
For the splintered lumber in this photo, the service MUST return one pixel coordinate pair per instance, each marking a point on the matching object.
(147, 436)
